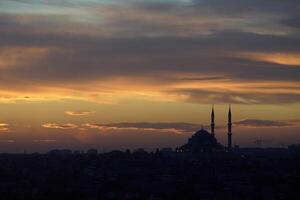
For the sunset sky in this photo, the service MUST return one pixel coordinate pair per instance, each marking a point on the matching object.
(117, 74)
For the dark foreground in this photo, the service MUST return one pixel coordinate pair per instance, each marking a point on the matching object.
(119, 175)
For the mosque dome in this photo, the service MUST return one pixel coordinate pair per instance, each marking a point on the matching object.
(202, 141)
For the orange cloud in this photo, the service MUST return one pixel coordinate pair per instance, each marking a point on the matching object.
(177, 90)
(59, 126)
(4, 127)
(282, 58)
(78, 113)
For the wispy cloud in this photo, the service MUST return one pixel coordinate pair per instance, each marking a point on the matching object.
(282, 58)
(4, 127)
(258, 123)
(45, 141)
(59, 126)
(177, 128)
(243, 93)
(78, 113)
(7, 141)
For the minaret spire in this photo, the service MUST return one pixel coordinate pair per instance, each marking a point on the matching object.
(229, 130)
(212, 124)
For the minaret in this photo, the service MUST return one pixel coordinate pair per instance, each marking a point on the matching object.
(212, 124)
(229, 130)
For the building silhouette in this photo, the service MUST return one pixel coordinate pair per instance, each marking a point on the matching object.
(203, 141)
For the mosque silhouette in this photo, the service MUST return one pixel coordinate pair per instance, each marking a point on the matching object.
(204, 142)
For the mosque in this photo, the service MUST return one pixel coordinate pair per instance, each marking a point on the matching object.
(203, 141)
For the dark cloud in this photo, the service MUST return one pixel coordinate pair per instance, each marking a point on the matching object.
(148, 57)
(7, 141)
(232, 97)
(44, 141)
(248, 6)
(257, 123)
(58, 3)
(293, 21)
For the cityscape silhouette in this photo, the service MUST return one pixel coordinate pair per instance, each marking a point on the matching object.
(149, 99)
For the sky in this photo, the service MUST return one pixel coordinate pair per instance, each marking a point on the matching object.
(117, 74)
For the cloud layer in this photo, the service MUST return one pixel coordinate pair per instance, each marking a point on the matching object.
(256, 123)
(104, 51)
(176, 128)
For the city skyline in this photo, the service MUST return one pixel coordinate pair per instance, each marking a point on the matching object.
(121, 74)
(173, 134)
